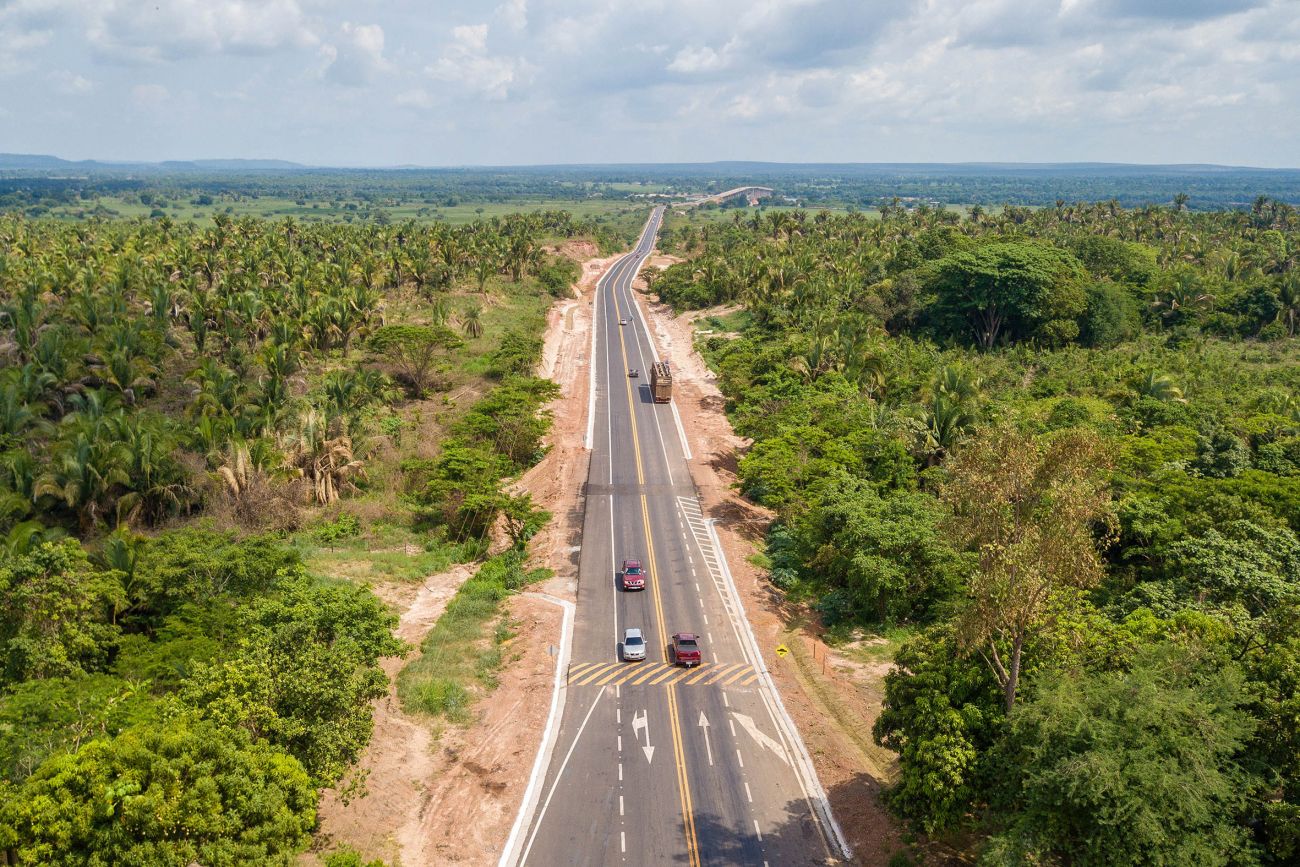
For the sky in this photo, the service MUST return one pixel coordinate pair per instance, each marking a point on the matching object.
(510, 82)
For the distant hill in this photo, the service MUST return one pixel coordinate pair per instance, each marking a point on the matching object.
(47, 163)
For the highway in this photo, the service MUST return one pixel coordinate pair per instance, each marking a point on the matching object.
(654, 764)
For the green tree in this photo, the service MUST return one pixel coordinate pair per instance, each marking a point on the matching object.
(54, 613)
(1129, 767)
(1011, 289)
(178, 793)
(1028, 508)
(941, 712)
(414, 350)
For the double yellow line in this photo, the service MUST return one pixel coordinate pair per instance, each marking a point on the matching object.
(683, 782)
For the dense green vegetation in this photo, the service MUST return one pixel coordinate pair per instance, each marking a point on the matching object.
(203, 430)
(1062, 448)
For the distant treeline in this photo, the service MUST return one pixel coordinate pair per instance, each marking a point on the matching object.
(823, 185)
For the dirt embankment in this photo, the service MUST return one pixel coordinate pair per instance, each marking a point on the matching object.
(833, 710)
(556, 483)
(444, 794)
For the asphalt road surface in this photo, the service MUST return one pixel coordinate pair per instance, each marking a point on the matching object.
(656, 764)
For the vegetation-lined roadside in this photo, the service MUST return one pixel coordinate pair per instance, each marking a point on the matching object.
(203, 431)
(1060, 448)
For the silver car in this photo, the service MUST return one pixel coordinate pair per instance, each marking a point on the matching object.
(633, 645)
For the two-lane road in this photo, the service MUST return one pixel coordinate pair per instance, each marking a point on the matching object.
(656, 764)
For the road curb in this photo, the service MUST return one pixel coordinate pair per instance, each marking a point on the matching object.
(545, 750)
(807, 771)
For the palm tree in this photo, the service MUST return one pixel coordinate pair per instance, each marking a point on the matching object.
(327, 463)
(1159, 386)
(471, 321)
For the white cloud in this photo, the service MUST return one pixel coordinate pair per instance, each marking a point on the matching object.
(358, 57)
(1149, 80)
(160, 30)
(514, 13)
(150, 95)
(697, 59)
(416, 97)
(70, 83)
(466, 61)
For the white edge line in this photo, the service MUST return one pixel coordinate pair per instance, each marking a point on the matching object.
(803, 762)
(546, 749)
(578, 736)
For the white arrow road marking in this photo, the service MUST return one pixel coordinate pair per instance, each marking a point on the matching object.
(642, 721)
(747, 723)
(704, 724)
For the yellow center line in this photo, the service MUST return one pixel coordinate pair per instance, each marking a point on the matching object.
(683, 784)
(679, 754)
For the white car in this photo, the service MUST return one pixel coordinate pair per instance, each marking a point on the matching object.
(633, 645)
(622, 322)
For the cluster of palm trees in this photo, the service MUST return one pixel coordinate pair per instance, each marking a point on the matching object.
(127, 346)
(837, 285)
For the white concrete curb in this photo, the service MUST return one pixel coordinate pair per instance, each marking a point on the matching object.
(803, 762)
(510, 855)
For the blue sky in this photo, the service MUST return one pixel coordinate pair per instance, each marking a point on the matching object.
(542, 81)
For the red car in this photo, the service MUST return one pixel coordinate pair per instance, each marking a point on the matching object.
(632, 576)
(686, 649)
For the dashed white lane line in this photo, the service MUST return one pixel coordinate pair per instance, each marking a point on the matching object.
(620, 743)
(618, 715)
(622, 842)
(759, 832)
(726, 702)
(706, 619)
(710, 637)
(620, 772)
(748, 794)
(740, 758)
(620, 804)
(732, 723)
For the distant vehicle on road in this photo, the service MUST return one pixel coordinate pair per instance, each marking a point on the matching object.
(633, 645)
(632, 576)
(622, 322)
(633, 372)
(686, 649)
(661, 382)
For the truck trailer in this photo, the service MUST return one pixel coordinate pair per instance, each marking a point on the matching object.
(661, 382)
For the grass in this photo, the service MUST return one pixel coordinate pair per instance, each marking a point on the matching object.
(461, 655)
(378, 553)
(735, 322)
(878, 647)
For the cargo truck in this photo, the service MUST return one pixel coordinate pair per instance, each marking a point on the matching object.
(661, 382)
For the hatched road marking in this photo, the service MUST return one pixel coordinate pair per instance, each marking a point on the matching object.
(660, 674)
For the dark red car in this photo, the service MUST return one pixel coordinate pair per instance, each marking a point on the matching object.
(686, 649)
(632, 575)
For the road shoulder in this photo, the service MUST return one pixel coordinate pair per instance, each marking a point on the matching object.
(821, 705)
